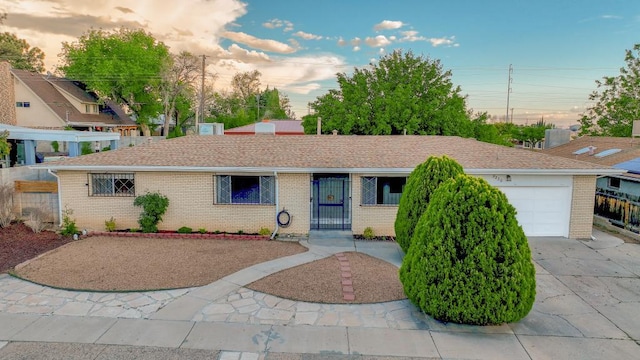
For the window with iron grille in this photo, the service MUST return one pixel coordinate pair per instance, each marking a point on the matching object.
(112, 185)
(379, 190)
(245, 189)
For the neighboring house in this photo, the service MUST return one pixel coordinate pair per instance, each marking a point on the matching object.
(49, 102)
(232, 183)
(617, 196)
(280, 127)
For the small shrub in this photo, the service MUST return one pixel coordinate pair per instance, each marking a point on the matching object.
(134, 230)
(202, 231)
(110, 225)
(55, 146)
(38, 218)
(469, 260)
(69, 227)
(7, 213)
(368, 233)
(85, 148)
(154, 205)
(185, 230)
(240, 232)
(422, 182)
(264, 231)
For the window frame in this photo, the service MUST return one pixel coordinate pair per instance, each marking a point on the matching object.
(370, 197)
(110, 182)
(224, 190)
(609, 182)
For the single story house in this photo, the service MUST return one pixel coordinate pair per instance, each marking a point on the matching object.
(232, 183)
(617, 195)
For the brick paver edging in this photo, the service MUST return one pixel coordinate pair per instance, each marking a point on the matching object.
(179, 236)
(345, 278)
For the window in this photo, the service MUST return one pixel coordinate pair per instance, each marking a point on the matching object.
(245, 189)
(382, 190)
(112, 185)
(23, 104)
(614, 183)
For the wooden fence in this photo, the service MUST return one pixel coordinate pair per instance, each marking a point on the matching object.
(620, 211)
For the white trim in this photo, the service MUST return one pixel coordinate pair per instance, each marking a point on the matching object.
(23, 133)
(390, 171)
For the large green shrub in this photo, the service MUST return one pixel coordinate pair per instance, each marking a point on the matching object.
(469, 261)
(154, 205)
(422, 181)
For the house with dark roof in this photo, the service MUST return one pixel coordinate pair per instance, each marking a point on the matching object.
(294, 184)
(617, 196)
(50, 102)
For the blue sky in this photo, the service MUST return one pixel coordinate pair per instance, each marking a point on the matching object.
(557, 48)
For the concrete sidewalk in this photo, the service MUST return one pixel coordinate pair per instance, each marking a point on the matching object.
(588, 297)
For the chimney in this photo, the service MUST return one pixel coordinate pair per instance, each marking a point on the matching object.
(7, 95)
(319, 126)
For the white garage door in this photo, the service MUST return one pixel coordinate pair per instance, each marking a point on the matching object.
(542, 211)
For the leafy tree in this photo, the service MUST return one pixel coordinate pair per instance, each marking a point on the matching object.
(125, 66)
(400, 92)
(422, 182)
(179, 82)
(246, 84)
(532, 134)
(617, 101)
(5, 147)
(469, 260)
(20, 54)
(489, 133)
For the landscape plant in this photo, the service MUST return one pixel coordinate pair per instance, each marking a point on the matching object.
(422, 182)
(38, 218)
(69, 227)
(185, 230)
(110, 225)
(264, 231)
(154, 206)
(469, 260)
(202, 231)
(7, 213)
(368, 233)
(55, 146)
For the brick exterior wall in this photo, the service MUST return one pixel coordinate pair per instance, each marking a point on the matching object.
(191, 203)
(381, 218)
(582, 203)
(7, 95)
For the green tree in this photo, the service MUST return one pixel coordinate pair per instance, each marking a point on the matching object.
(489, 133)
(5, 147)
(422, 182)
(20, 54)
(532, 134)
(469, 260)
(400, 92)
(617, 101)
(124, 65)
(179, 84)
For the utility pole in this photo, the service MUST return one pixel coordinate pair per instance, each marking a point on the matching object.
(512, 115)
(506, 119)
(201, 97)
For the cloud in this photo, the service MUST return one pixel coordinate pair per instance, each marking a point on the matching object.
(307, 36)
(356, 41)
(247, 56)
(388, 25)
(124, 9)
(411, 36)
(444, 41)
(377, 41)
(260, 44)
(277, 23)
(356, 48)
(614, 17)
(303, 89)
(342, 42)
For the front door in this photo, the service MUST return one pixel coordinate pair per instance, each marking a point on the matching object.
(330, 202)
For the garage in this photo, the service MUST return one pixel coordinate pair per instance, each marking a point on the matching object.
(542, 211)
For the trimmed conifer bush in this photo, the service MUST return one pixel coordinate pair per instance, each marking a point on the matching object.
(469, 261)
(422, 181)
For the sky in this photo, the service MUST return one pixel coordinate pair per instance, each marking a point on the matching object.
(557, 49)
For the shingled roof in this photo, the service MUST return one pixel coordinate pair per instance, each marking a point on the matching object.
(629, 149)
(48, 89)
(317, 153)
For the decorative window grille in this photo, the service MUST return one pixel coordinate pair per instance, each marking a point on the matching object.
(382, 190)
(112, 184)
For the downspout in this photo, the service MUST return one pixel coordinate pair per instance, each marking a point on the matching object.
(275, 232)
(59, 196)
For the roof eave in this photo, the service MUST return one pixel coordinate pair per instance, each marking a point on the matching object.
(291, 170)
